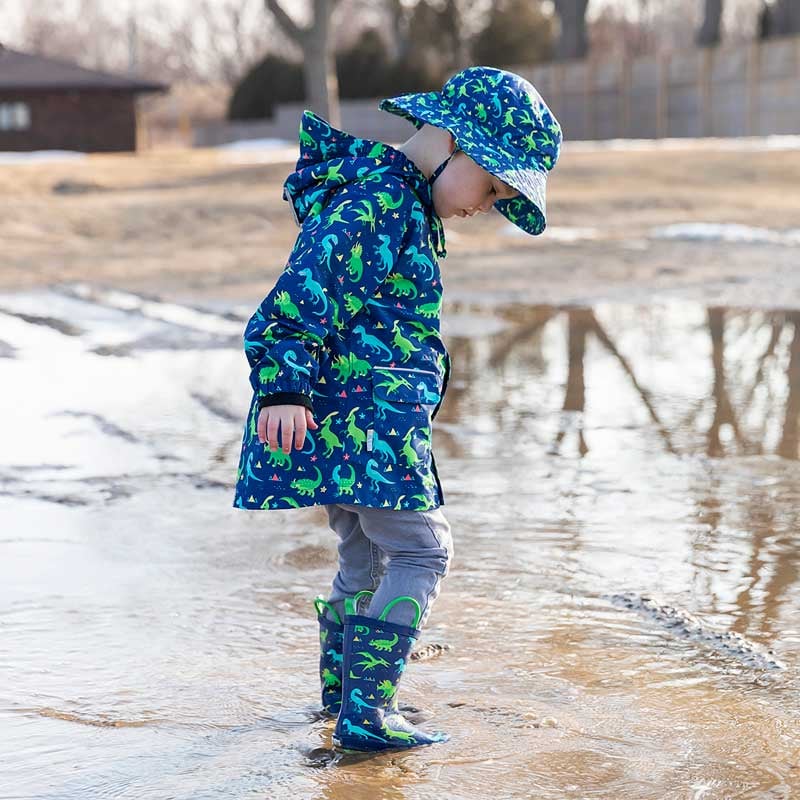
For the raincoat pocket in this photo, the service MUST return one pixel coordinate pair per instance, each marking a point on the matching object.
(403, 400)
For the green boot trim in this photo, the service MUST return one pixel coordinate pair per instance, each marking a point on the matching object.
(390, 605)
(321, 601)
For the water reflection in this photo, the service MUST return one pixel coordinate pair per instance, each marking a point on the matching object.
(717, 381)
(158, 643)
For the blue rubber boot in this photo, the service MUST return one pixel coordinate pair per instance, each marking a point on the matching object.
(374, 657)
(331, 633)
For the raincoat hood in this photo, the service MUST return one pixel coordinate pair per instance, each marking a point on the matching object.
(330, 158)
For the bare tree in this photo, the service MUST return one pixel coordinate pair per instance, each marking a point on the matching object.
(319, 63)
(572, 42)
(709, 32)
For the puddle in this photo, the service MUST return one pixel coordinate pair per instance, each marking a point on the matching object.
(621, 620)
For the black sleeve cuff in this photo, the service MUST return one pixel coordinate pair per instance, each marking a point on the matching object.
(281, 398)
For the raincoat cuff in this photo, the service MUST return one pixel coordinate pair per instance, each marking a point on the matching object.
(282, 398)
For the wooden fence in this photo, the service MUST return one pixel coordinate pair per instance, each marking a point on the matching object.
(751, 89)
(747, 90)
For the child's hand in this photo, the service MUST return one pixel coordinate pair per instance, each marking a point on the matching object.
(293, 420)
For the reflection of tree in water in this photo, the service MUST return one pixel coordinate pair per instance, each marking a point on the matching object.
(742, 383)
(580, 323)
(726, 412)
(787, 447)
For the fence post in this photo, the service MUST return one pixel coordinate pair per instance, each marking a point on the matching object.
(753, 70)
(590, 120)
(624, 89)
(704, 91)
(662, 98)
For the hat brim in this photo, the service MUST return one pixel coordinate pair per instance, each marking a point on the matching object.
(528, 210)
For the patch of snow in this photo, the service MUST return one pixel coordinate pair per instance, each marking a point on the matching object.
(38, 156)
(256, 144)
(772, 142)
(563, 233)
(726, 232)
(258, 151)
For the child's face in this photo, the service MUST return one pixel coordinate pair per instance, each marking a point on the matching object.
(464, 188)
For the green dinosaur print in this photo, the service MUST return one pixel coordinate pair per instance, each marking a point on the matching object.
(393, 383)
(430, 310)
(306, 486)
(356, 434)
(370, 661)
(385, 202)
(400, 286)
(384, 645)
(329, 678)
(277, 458)
(342, 365)
(405, 346)
(291, 501)
(359, 367)
(403, 736)
(336, 215)
(307, 140)
(408, 451)
(333, 173)
(284, 302)
(387, 689)
(331, 440)
(367, 214)
(422, 333)
(268, 373)
(354, 265)
(345, 484)
(338, 324)
(352, 304)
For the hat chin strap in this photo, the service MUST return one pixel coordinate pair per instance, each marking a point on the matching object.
(438, 171)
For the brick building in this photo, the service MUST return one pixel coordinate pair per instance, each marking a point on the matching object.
(49, 104)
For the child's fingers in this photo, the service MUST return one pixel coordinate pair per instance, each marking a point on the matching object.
(299, 429)
(272, 430)
(261, 425)
(310, 421)
(287, 430)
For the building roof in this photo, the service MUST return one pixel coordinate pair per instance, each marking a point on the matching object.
(27, 71)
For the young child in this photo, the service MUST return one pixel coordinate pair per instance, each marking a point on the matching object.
(348, 366)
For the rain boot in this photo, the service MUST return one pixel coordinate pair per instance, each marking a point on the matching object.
(374, 657)
(330, 657)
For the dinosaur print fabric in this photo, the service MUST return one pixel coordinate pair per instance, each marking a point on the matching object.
(351, 328)
(501, 122)
(374, 658)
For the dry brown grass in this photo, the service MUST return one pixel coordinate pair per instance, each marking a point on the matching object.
(188, 222)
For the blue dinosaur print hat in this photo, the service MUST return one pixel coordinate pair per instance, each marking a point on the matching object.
(502, 123)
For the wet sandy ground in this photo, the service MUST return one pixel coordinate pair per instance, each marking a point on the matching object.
(156, 642)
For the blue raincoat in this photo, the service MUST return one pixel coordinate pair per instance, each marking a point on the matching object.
(351, 330)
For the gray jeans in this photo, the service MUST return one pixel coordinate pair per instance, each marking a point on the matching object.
(391, 552)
